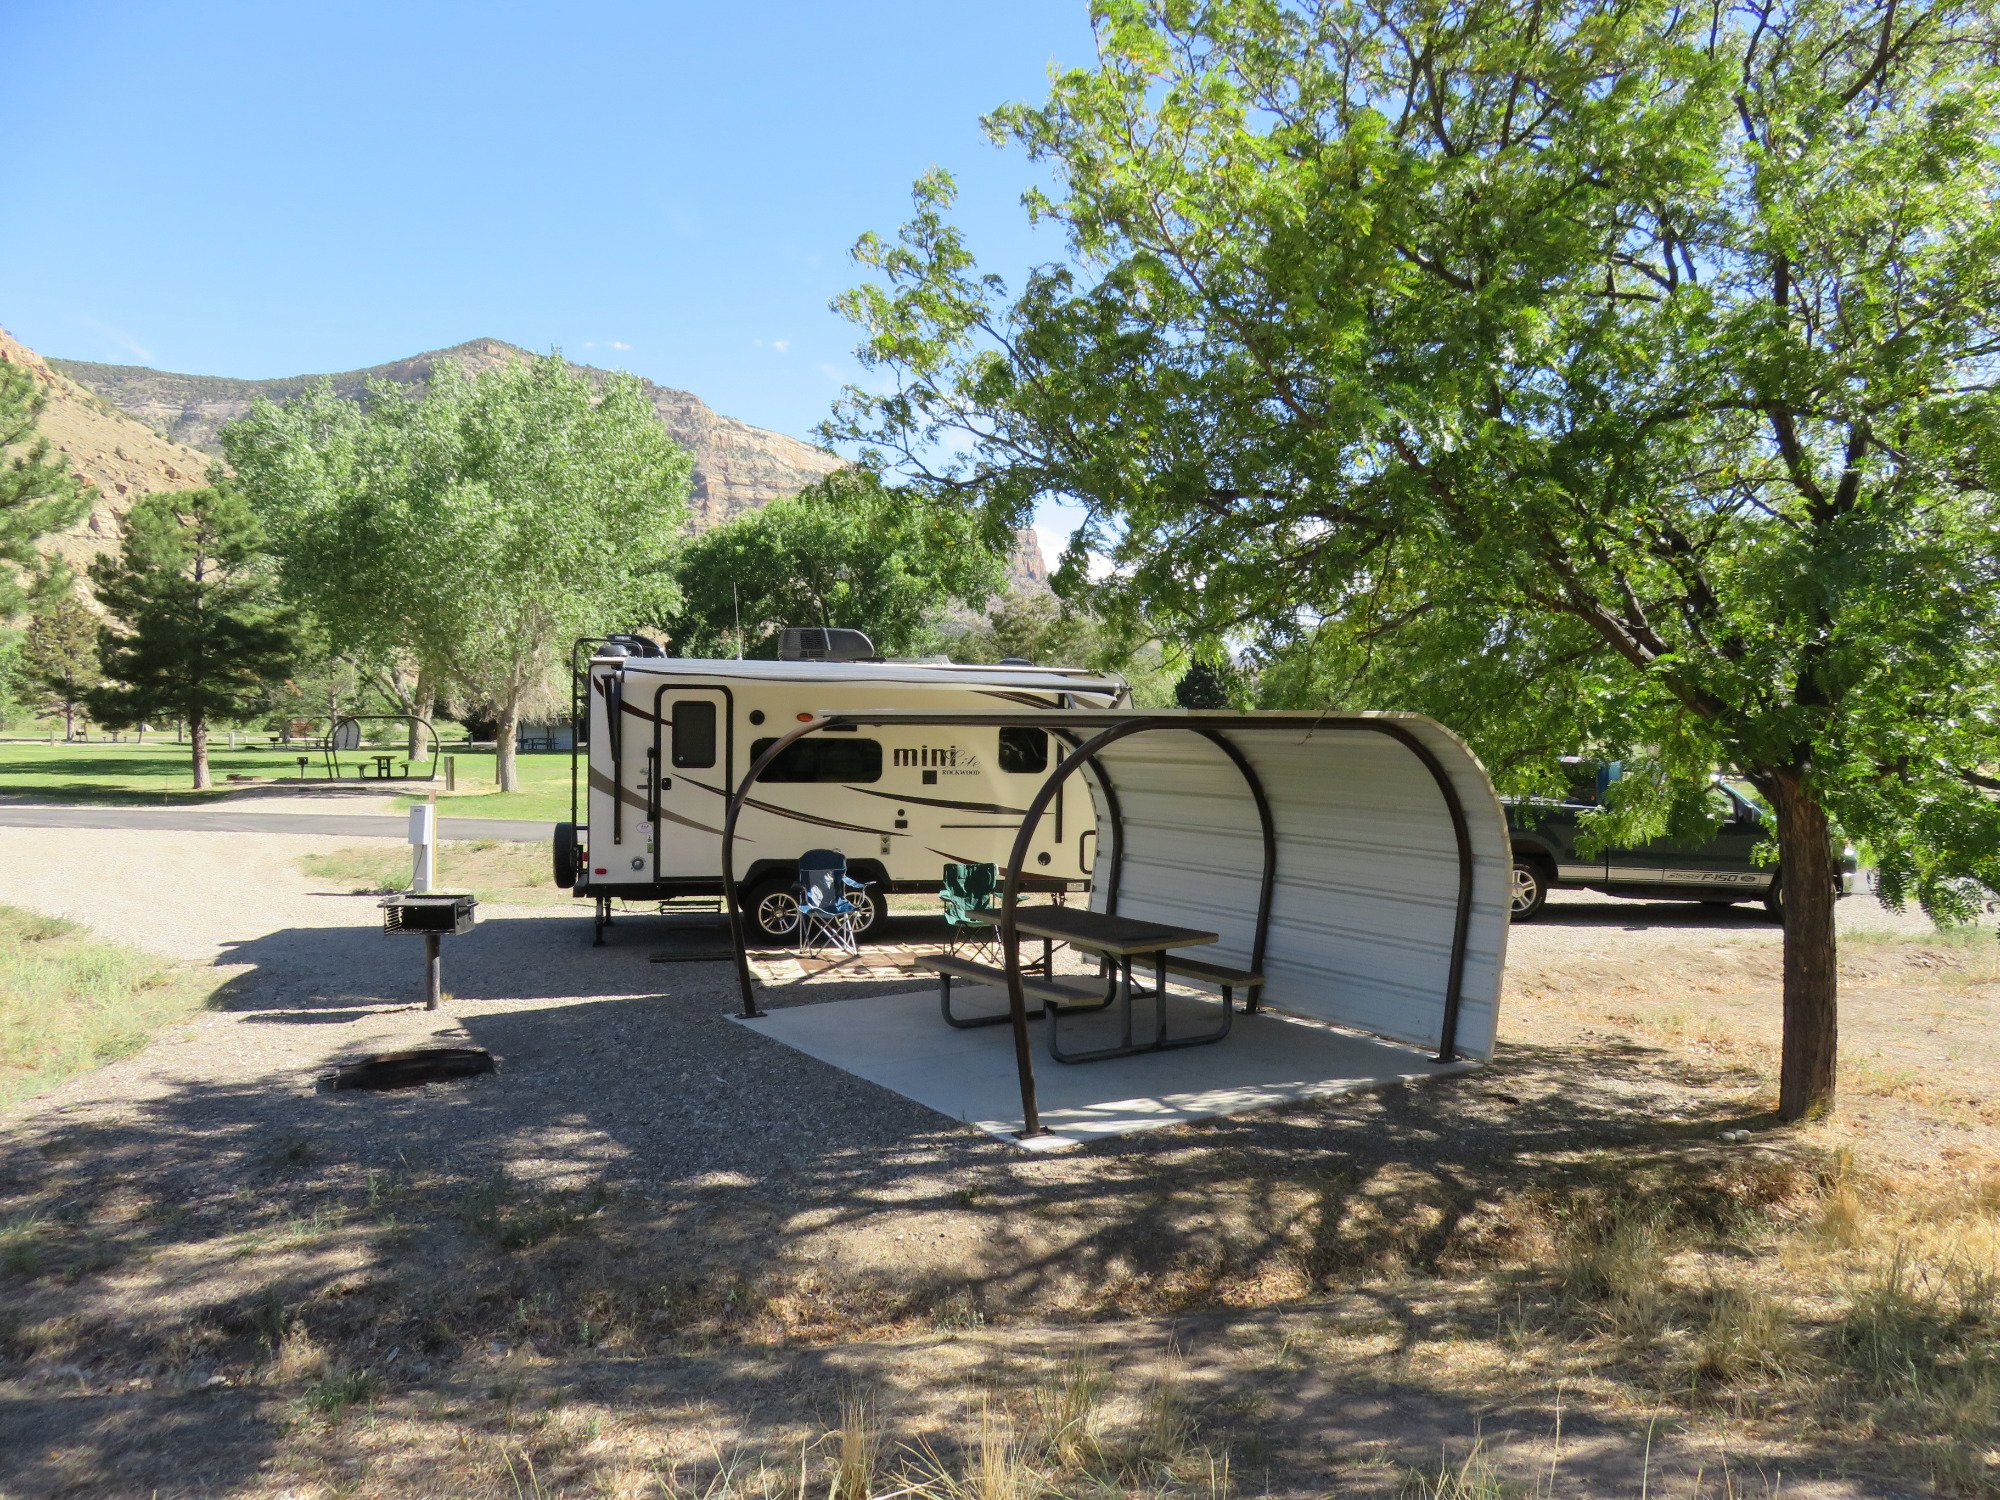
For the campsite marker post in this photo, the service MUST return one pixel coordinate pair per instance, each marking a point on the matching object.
(423, 846)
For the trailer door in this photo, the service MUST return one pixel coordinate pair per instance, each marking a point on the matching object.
(694, 743)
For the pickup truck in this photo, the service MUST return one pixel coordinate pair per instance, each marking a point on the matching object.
(1721, 872)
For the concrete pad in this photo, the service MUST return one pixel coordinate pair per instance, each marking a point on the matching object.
(901, 1043)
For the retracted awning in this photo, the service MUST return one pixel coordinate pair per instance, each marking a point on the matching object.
(1359, 862)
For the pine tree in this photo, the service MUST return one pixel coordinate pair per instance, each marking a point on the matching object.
(37, 493)
(58, 656)
(202, 631)
(1206, 686)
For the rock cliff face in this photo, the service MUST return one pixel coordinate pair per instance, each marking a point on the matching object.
(161, 419)
(736, 466)
(122, 457)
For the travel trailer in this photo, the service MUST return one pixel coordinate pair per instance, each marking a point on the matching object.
(661, 743)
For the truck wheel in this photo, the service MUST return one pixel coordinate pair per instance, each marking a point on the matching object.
(1774, 903)
(565, 856)
(772, 907)
(1529, 892)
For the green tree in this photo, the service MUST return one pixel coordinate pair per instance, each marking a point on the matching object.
(474, 529)
(1649, 350)
(1040, 628)
(198, 632)
(1206, 685)
(12, 688)
(540, 512)
(58, 655)
(38, 494)
(329, 484)
(844, 552)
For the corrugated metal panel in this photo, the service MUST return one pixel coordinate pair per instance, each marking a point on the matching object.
(1366, 896)
(1365, 899)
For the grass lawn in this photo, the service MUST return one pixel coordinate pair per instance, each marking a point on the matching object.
(69, 1003)
(543, 798)
(124, 773)
(162, 775)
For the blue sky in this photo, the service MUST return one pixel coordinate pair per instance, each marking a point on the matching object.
(271, 189)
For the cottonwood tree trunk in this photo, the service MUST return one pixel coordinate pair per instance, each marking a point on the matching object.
(503, 749)
(423, 703)
(198, 737)
(1812, 968)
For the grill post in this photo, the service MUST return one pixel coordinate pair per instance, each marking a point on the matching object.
(434, 917)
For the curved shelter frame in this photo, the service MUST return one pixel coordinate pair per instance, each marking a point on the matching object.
(1358, 862)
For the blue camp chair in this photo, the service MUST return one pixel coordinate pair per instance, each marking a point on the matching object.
(827, 908)
(971, 924)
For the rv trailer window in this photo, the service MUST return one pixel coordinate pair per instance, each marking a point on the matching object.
(694, 733)
(817, 759)
(1024, 750)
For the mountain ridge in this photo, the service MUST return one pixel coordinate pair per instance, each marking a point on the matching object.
(737, 465)
(132, 430)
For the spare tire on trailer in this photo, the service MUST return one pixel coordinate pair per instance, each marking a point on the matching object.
(565, 856)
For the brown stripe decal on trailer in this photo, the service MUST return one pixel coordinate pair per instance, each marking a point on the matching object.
(972, 807)
(795, 815)
(1031, 700)
(599, 782)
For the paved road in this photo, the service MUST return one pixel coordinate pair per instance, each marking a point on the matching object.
(245, 820)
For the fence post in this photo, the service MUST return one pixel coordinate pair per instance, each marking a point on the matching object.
(451, 773)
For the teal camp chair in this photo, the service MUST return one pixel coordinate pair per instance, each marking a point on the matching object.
(969, 917)
(826, 911)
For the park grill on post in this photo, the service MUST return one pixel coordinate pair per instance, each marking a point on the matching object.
(434, 917)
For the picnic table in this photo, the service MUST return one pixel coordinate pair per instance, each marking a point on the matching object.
(1121, 940)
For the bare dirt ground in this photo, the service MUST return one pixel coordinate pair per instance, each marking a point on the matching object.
(658, 1246)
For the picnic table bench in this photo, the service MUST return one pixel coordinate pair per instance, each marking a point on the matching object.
(1223, 976)
(1119, 940)
(1053, 992)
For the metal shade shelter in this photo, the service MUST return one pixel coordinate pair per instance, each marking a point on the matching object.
(1359, 862)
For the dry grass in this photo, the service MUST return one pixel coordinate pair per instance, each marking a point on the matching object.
(1476, 1476)
(509, 1217)
(857, 1445)
(1865, 1308)
(70, 1003)
(1792, 1294)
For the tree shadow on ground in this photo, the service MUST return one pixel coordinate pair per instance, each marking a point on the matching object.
(644, 1164)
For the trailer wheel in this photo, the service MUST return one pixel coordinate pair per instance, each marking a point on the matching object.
(772, 905)
(872, 912)
(565, 856)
